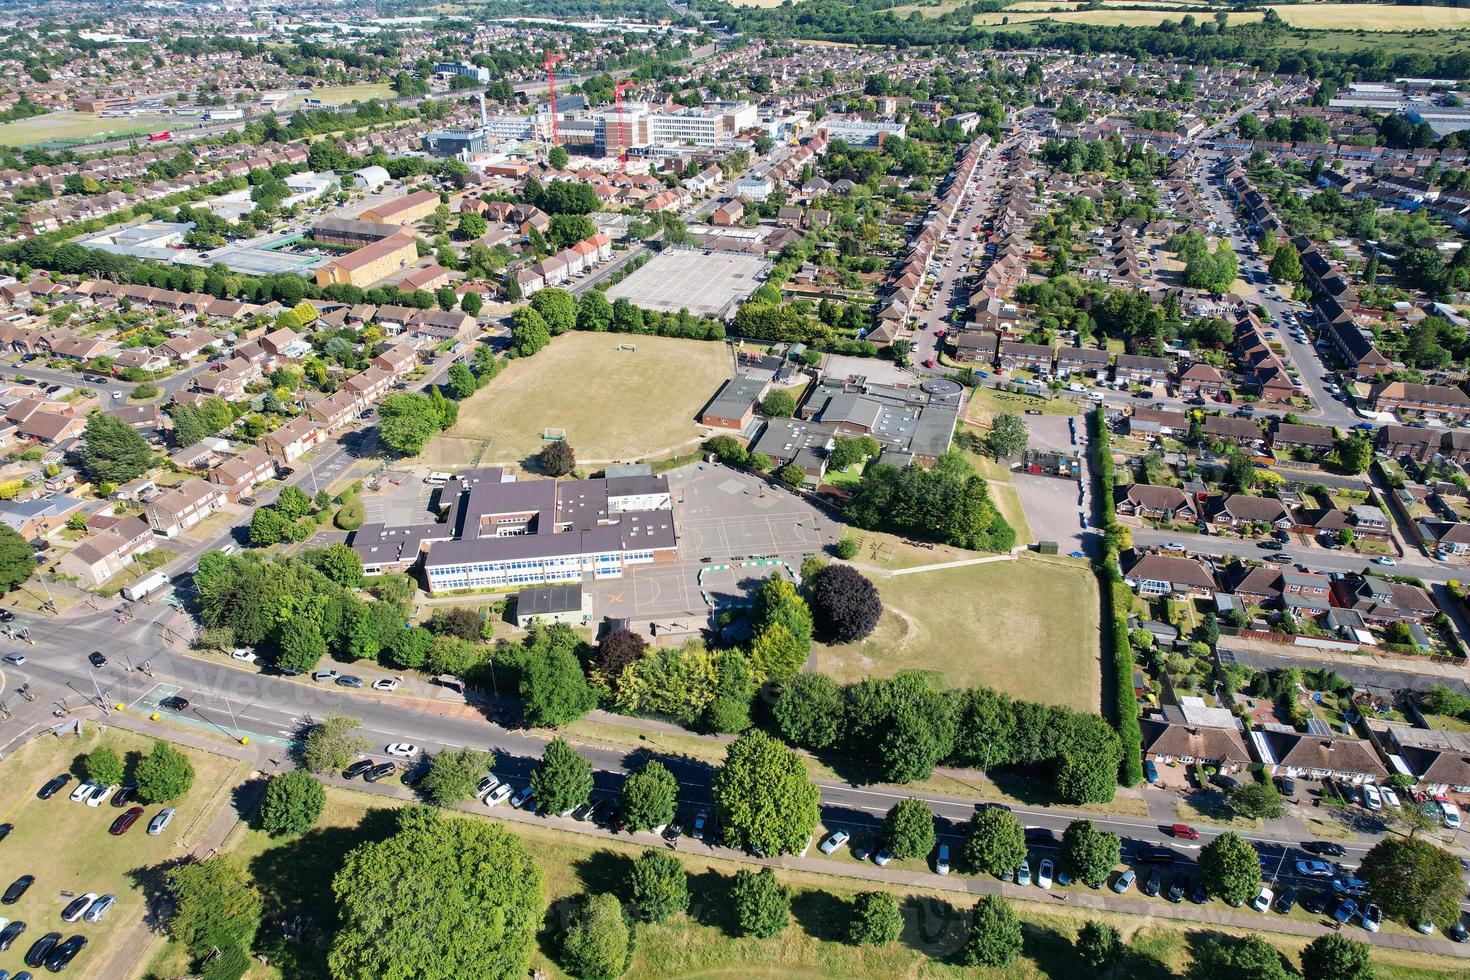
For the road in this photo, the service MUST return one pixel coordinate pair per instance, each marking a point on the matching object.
(1317, 558)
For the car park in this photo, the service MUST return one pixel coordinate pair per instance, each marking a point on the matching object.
(53, 786)
(98, 909)
(17, 888)
(1262, 901)
(833, 841)
(357, 768)
(41, 948)
(160, 821)
(77, 906)
(125, 821)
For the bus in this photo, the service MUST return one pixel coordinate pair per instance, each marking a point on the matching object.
(161, 136)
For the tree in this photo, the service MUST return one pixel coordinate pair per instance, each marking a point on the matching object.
(1251, 958)
(908, 829)
(735, 686)
(597, 941)
(339, 563)
(568, 229)
(1414, 880)
(1336, 957)
(1257, 801)
(776, 653)
(557, 458)
(808, 711)
(844, 603)
(17, 559)
(649, 797)
(471, 226)
(554, 691)
(762, 904)
(563, 780)
(1286, 263)
(113, 450)
(791, 475)
(529, 331)
(104, 766)
(1088, 854)
(997, 841)
(455, 774)
(215, 906)
(764, 796)
(291, 804)
(875, 920)
(268, 527)
(557, 308)
(1354, 453)
(594, 312)
(995, 934)
(558, 156)
(658, 886)
(164, 774)
(1231, 868)
(406, 421)
(777, 601)
(1008, 436)
(471, 303)
(332, 743)
(469, 877)
(462, 381)
(302, 645)
(779, 404)
(618, 649)
(1099, 945)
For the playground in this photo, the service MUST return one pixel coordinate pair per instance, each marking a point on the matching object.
(612, 397)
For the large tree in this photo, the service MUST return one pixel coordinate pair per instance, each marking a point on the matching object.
(1099, 945)
(1250, 958)
(406, 421)
(1008, 435)
(557, 308)
(650, 797)
(996, 843)
(442, 898)
(216, 906)
(764, 796)
(597, 941)
(808, 711)
(1231, 868)
(1336, 957)
(762, 904)
(1414, 880)
(875, 919)
(904, 723)
(557, 458)
(554, 691)
(563, 780)
(1088, 854)
(291, 804)
(17, 559)
(908, 829)
(658, 886)
(995, 934)
(165, 773)
(332, 743)
(1257, 800)
(454, 774)
(844, 602)
(104, 766)
(113, 451)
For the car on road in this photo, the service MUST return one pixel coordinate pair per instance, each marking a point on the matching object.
(125, 821)
(522, 798)
(357, 768)
(350, 680)
(381, 771)
(174, 703)
(97, 659)
(1044, 874)
(404, 750)
(1285, 901)
(929, 363)
(1372, 917)
(62, 954)
(1155, 855)
(41, 948)
(1282, 558)
(1326, 848)
(1262, 901)
(385, 684)
(77, 906)
(53, 786)
(98, 909)
(1384, 560)
(6, 616)
(1040, 837)
(17, 888)
(833, 841)
(1315, 869)
(18, 659)
(498, 795)
(160, 821)
(1183, 831)
(10, 933)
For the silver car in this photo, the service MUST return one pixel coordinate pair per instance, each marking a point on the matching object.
(161, 821)
(99, 908)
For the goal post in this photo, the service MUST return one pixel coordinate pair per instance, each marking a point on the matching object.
(553, 435)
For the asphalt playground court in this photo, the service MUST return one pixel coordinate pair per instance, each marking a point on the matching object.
(704, 283)
(406, 502)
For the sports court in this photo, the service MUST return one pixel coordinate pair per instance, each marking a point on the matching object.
(705, 283)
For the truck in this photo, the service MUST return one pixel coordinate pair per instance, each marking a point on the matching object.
(144, 586)
(162, 136)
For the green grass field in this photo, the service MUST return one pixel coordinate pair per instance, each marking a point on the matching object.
(1028, 627)
(1113, 18)
(342, 94)
(78, 127)
(296, 875)
(614, 405)
(67, 847)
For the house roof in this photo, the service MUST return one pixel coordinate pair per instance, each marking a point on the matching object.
(1194, 741)
(1176, 571)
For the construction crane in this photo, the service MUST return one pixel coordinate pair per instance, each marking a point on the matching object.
(550, 65)
(618, 91)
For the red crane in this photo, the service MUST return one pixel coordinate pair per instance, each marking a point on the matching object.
(550, 65)
(618, 91)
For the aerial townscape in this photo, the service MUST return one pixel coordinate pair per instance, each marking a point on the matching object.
(695, 488)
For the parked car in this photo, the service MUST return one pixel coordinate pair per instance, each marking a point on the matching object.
(1356, 887)
(1390, 797)
(1315, 869)
(1044, 874)
(1124, 881)
(941, 862)
(350, 680)
(1371, 799)
(1262, 901)
(697, 829)
(174, 703)
(1154, 882)
(883, 856)
(325, 675)
(10, 933)
(1316, 902)
(1450, 815)
(381, 771)
(160, 821)
(1197, 893)
(833, 841)
(62, 954)
(53, 786)
(385, 684)
(98, 909)
(1372, 917)
(17, 888)
(1023, 873)
(1457, 932)
(357, 768)
(124, 795)
(77, 906)
(125, 821)
(1177, 886)
(100, 795)
(97, 659)
(498, 795)
(522, 798)
(41, 948)
(1285, 901)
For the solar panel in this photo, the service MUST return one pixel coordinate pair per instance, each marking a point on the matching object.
(1316, 726)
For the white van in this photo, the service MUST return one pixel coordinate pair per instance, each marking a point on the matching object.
(438, 478)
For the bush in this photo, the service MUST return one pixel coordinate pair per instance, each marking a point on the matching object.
(104, 766)
(875, 919)
(847, 548)
(350, 515)
(762, 904)
(995, 934)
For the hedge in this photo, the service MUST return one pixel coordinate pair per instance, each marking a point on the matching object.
(1115, 603)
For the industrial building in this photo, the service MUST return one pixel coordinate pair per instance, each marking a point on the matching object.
(370, 263)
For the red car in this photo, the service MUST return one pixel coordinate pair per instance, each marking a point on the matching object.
(1183, 831)
(121, 824)
(929, 363)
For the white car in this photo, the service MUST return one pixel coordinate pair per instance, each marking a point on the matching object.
(245, 655)
(1384, 560)
(498, 795)
(1263, 898)
(1371, 799)
(385, 684)
(1390, 797)
(77, 906)
(18, 659)
(834, 840)
(404, 750)
(82, 792)
(1043, 874)
(100, 795)
(487, 786)
(1451, 815)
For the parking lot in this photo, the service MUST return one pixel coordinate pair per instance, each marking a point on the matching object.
(704, 283)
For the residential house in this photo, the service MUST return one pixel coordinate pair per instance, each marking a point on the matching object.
(1311, 756)
(1201, 380)
(1157, 503)
(1160, 575)
(175, 511)
(1029, 357)
(107, 552)
(1297, 440)
(1157, 422)
(240, 474)
(1402, 397)
(1399, 441)
(1137, 369)
(1237, 509)
(291, 441)
(1226, 428)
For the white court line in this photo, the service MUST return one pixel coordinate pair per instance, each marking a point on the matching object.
(172, 689)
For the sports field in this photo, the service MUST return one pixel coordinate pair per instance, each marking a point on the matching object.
(1373, 17)
(1112, 18)
(614, 404)
(343, 94)
(68, 126)
(1028, 627)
